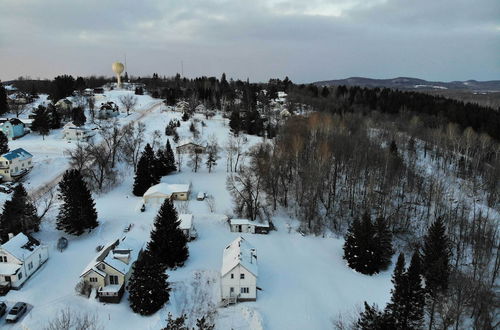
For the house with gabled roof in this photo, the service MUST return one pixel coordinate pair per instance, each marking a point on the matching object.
(239, 272)
(20, 257)
(157, 194)
(14, 164)
(13, 128)
(111, 268)
(188, 146)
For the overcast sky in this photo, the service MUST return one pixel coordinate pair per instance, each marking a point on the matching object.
(307, 40)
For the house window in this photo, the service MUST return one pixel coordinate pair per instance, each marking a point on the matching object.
(3, 258)
(30, 265)
(232, 275)
(19, 276)
(231, 290)
(244, 290)
(40, 256)
(242, 276)
(93, 279)
(113, 279)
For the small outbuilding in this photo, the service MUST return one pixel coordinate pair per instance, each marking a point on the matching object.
(156, 194)
(247, 226)
(187, 226)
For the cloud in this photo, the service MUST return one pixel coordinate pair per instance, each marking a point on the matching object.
(306, 40)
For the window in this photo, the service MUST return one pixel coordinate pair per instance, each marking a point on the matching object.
(30, 265)
(93, 279)
(242, 276)
(231, 289)
(113, 279)
(20, 276)
(3, 258)
(40, 256)
(232, 275)
(244, 290)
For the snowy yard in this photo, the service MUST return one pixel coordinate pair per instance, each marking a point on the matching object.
(304, 280)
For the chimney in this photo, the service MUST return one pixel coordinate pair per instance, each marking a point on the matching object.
(11, 235)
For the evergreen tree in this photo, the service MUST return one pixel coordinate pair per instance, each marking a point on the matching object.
(146, 174)
(19, 214)
(235, 122)
(77, 212)
(436, 258)
(161, 163)
(368, 246)
(373, 319)
(204, 324)
(4, 105)
(351, 247)
(415, 295)
(4, 144)
(61, 87)
(148, 287)
(383, 242)
(178, 323)
(436, 263)
(168, 244)
(396, 309)
(170, 158)
(54, 117)
(41, 122)
(78, 116)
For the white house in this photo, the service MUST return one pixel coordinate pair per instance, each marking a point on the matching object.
(156, 194)
(247, 226)
(239, 272)
(20, 257)
(187, 226)
(15, 164)
(71, 132)
(111, 268)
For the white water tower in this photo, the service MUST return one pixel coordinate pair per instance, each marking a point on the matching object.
(118, 70)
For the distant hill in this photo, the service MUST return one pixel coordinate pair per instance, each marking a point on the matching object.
(407, 83)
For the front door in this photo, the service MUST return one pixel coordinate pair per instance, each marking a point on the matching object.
(239, 228)
(7, 279)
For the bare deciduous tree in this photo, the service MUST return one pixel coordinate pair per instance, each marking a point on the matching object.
(129, 102)
(68, 319)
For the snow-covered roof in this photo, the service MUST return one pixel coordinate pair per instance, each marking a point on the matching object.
(187, 142)
(19, 246)
(8, 269)
(10, 88)
(186, 221)
(17, 153)
(239, 252)
(248, 222)
(167, 189)
(13, 121)
(127, 248)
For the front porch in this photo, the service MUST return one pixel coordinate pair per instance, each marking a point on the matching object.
(111, 293)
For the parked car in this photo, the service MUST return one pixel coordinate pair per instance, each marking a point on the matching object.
(16, 312)
(5, 189)
(3, 308)
(201, 196)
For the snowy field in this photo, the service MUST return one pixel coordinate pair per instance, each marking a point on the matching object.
(305, 283)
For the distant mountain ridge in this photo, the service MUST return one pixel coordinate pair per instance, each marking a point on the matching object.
(409, 83)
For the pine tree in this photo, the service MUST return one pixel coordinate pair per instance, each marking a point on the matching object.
(78, 116)
(4, 144)
(368, 246)
(204, 324)
(148, 287)
(178, 323)
(436, 258)
(4, 105)
(383, 242)
(169, 154)
(19, 214)
(77, 212)
(41, 122)
(436, 263)
(146, 174)
(351, 247)
(235, 122)
(415, 295)
(168, 244)
(54, 117)
(396, 309)
(372, 319)
(161, 164)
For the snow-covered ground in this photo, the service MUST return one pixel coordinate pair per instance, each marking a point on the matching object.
(305, 283)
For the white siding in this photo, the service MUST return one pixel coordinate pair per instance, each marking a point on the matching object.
(249, 281)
